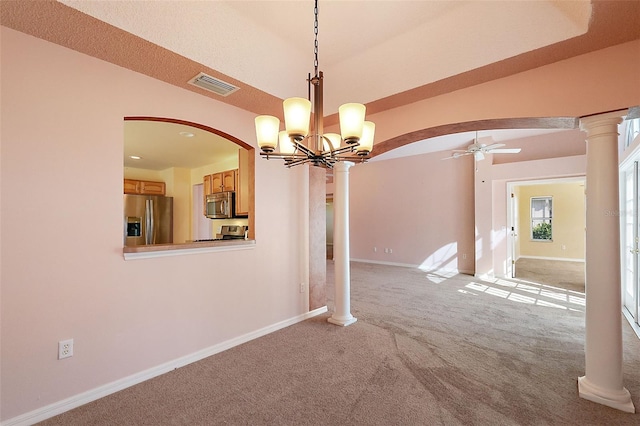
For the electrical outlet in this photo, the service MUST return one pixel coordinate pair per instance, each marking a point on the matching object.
(464, 255)
(390, 250)
(375, 249)
(65, 349)
(301, 287)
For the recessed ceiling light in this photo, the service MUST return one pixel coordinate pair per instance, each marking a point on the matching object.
(135, 157)
(187, 134)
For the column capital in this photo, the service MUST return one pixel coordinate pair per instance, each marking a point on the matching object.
(592, 122)
(343, 166)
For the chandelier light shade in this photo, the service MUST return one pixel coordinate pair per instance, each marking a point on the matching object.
(366, 141)
(297, 112)
(301, 142)
(267, 132)
(351, 121)
(284, 143)
(334, 141)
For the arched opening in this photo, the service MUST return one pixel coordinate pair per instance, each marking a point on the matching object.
(450, 214)
(173, 158)
(476, 125)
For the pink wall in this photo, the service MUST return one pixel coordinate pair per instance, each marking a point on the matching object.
(566, 143)
(420, 207)
(63, 276)
(63, 272)
(431, 212)
(584, 85)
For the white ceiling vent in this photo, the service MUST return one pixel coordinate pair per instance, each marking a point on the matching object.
(212, 84)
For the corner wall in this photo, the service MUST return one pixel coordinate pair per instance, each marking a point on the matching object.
(63, 273)
(414, 211)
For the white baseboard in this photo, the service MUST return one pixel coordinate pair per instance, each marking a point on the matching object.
(409, 265)
(60, 407)
(563, 259)
(632, 322)
(379, 262)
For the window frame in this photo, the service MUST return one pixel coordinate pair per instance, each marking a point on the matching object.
(535, 221)
(632, 131)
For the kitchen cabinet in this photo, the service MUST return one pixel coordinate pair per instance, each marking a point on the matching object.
(133, 186)
(242, 183)
(220, 182)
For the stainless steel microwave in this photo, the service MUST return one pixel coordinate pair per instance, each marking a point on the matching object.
(220, 205)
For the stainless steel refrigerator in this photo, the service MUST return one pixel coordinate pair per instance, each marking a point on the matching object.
(148, 219)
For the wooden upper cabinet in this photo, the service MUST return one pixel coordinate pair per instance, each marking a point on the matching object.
(242, 183)
(208, 185)
(220, 182)
(144, 187)
(216, 182)
(131, 186)
(229, 180)
(153, 188)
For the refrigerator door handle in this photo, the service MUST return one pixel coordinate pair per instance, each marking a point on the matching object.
(147, 223)
(152, 234)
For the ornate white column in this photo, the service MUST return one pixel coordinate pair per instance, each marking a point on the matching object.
(602, 382)
(342, 313)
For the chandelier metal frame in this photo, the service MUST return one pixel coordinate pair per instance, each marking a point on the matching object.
(316, 148)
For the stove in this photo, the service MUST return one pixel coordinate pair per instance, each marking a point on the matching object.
(228, 232)
(233, 232)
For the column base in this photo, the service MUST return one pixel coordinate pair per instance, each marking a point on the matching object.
(618, 399)
(342, 321)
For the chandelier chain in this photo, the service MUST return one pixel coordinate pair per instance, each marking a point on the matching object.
(315, 32)
(303, 142)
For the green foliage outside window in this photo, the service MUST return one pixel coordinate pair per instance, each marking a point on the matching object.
(542, 231)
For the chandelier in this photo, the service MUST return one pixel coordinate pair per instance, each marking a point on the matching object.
(297, 145)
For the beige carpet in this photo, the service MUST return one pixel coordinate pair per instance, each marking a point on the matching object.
(427, 350)
(569, 275)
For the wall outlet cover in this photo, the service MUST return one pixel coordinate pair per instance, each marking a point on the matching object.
(65, 349)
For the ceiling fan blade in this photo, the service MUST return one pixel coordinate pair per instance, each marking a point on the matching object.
(505, 151)
(457, 154)
(492, 146)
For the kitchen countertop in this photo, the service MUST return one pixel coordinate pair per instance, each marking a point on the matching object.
(158, 250)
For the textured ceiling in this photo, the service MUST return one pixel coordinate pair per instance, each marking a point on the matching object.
(368, 50)
(383, 53)
(161, 145)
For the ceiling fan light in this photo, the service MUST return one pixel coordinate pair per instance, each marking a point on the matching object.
(366, 141)
(267, 132)
(297, 112)
(334, 141)
(351, 121)
(286, 146)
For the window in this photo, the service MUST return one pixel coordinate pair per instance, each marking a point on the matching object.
(541, 215)
(633, 130)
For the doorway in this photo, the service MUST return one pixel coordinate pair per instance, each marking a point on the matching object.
(629, 242)
(546, 228)
(329, 212)
(201, 225)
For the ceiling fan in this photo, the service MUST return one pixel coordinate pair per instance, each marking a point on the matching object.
(479, 150)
